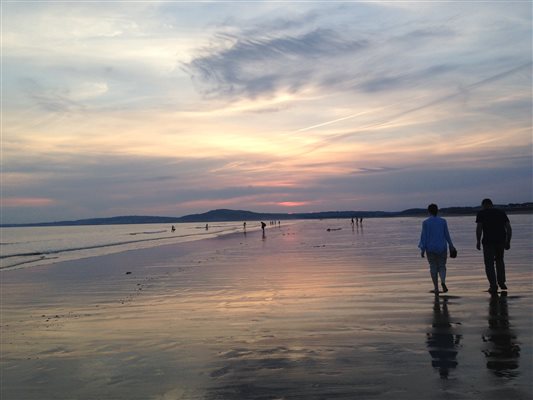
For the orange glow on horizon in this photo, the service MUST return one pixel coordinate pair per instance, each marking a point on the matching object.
(292, 203)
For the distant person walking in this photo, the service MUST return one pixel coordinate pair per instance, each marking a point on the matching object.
(433, 240)
(494, 232)
(263, 225)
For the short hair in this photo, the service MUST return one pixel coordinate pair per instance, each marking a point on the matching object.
(433, 209)
(486, 202)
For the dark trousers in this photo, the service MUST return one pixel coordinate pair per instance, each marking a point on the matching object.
(493, 255)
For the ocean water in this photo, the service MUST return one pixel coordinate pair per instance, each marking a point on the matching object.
(31, 246)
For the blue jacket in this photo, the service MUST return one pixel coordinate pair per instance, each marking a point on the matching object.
(434, 235)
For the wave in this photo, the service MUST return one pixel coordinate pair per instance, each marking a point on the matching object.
(147, 232)
(43, 258)
(57, 251)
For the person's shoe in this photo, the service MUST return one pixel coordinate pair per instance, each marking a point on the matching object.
(444, 288)
(492, 290)
(503, 286)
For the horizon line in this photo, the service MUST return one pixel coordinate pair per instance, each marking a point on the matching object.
(526, 205)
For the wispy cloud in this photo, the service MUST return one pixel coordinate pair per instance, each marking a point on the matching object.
(463, 91)
(243, 66)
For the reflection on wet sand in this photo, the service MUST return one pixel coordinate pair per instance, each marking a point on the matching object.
(502, 350)
(443, 338)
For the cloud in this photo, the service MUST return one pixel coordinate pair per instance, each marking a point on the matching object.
(23, 202)
(48, 99)
(373, 170)
(335, 49)
(338, 50)
(387, 118)
(426, 33)
(406, 80)
(242, 66)
(135, 183)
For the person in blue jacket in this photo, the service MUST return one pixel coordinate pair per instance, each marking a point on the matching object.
(434, 240)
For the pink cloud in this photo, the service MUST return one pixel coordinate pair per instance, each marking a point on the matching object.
(28, 202)
(293, 203)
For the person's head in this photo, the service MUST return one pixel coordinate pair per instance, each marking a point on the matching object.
(486, 203)
(433, 209)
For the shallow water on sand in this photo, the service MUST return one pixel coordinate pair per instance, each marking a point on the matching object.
(23, 247)
(303, 313)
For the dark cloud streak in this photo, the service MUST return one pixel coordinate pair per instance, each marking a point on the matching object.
(405, 80)
(255, 66)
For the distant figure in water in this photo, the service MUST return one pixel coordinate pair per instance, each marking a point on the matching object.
(352, 223)
(206, 227)
(263, 225)
(173, 228)
(433, 240)
(244, 226)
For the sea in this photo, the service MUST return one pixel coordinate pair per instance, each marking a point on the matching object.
(22, 247)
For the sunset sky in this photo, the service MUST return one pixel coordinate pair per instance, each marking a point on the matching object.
(173, 108)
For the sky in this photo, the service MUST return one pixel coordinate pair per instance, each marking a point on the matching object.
(173, 108)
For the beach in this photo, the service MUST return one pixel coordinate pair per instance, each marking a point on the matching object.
(310, 310)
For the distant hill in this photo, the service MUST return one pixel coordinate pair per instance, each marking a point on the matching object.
(242, 215)
(230, 215)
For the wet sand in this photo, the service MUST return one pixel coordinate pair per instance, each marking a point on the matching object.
(300, 314)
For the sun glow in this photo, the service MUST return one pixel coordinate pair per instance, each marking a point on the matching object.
(292, 203)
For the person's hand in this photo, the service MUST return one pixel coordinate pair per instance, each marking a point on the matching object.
(422, 254)
(453, 252)
(478, 246)
(507, 245)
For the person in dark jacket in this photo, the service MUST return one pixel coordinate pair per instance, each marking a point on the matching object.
(494, 232)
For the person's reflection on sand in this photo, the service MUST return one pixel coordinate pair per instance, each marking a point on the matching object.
(502, 350)
(443, 339)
